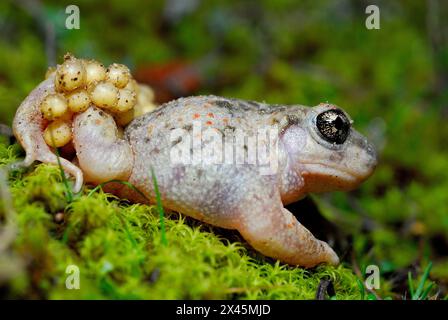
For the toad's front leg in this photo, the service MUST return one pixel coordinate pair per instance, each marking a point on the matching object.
(274, 231)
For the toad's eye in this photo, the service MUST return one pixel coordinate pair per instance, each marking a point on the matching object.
(333, 125)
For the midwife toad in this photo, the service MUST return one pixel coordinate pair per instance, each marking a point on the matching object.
(317, 151)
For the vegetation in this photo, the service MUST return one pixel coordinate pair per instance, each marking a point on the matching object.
(391, 81)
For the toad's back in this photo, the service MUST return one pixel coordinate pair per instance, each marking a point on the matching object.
(213, 112)
(190, 187)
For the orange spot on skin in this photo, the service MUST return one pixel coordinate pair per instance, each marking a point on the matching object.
(98, 122)
(210, 115)
(209, 123)
(196, 116)
(207, 105)
(290, 225)
(225, 120)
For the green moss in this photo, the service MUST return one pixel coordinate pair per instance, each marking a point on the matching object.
(120, 255)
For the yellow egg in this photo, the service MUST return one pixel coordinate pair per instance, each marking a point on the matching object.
(53, 106)
(78, 101)
(118, 74)
(104, 95)
(124, 118)
(141, 109)
(145, 94)
(58, 134)
(133, 85)
(126, 100)
(95, 71)
(70, 75)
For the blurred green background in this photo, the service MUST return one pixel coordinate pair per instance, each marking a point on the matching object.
(392, 82)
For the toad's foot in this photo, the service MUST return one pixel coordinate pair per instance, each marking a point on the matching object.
(275, 232)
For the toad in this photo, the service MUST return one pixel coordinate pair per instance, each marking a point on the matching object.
(317, 150)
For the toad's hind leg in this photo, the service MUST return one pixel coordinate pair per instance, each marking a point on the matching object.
(28, 128)
(275, 232)
(102, 154)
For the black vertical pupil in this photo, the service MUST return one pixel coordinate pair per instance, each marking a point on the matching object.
(333, 125)
(338, 123)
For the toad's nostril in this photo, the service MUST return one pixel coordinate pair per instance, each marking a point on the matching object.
(371, 152)
(367, 151)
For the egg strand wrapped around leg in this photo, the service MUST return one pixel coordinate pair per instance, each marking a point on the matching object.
(81, 103)
(29, 124)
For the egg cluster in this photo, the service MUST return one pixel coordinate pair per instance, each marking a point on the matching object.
(82, 83)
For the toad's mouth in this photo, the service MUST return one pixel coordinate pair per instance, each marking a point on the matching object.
(320, 177)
